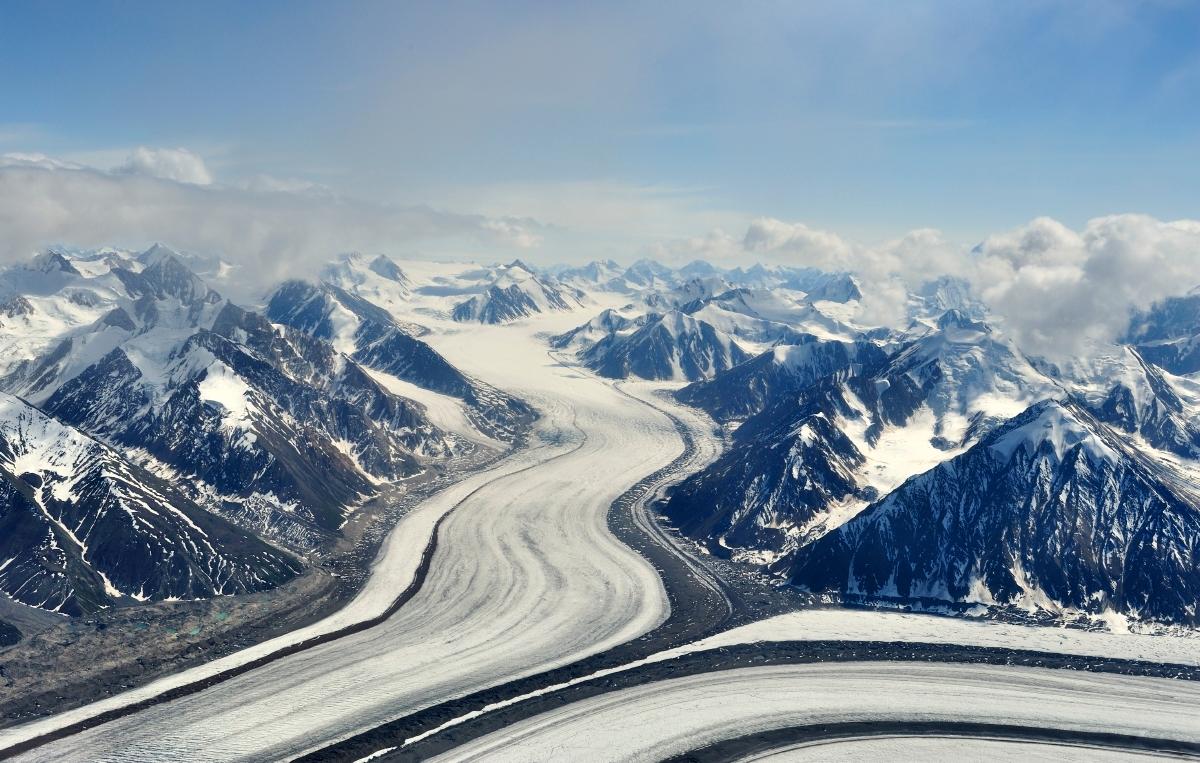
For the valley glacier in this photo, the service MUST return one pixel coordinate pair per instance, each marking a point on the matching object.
(751, 423)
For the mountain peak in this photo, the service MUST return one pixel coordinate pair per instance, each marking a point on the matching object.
(53, 261)
(385, 267)
(956, 318)
(1055, 424)
(158, 253)
(518, 264)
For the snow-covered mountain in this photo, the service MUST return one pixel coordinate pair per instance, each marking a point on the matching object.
(1168, 334)
(784, 370)
(813, 284)
(770, 316)
(605, 323)
(1052, 511)
(82, 527)
(355, 270)
(648, 274)
(696, 288)
(283, 432)
(373, 338)
(849, 423)
(513, 291)
(669, 346)
(820, 286)
(940, 464)
(267, 431)
(597, 274)
(1140, 399)
(158, 441)
(935, 297)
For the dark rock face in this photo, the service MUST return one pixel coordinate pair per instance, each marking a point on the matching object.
(503, 304)
(794, 469)
(607, 322)
(1056, 509)
(16, 305)
(1052, 509)
(792, 462)
(762, 498)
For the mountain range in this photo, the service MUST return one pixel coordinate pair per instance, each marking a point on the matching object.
(159, 442)
(162, 442)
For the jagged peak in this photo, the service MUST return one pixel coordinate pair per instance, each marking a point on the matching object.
(385, 267)
(52, 261)
(168, 274)
(955, 318)
(159, 253)
(1053, 422)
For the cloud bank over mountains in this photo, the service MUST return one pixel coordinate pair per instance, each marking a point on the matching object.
(1056, 290)
(272, 229)
(176, 164)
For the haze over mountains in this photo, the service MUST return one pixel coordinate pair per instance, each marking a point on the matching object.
(159, 441)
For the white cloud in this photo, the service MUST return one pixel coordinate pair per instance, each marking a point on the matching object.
(586, 220)
(1056, 291)
(811, 246)
(1059, 290)
(886, 271)
(176, 164)
(271, 184)
(271, 235)
(717, 247)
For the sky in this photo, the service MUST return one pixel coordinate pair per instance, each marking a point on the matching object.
(568, 131)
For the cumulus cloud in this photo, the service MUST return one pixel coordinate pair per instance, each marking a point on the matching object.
(176, 164)
(1059, 290)
(717, 247)
(1056, 291)
(817, 248)
(887, 271)
(269, 234)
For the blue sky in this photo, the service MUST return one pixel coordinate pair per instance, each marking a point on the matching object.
(614, 126)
